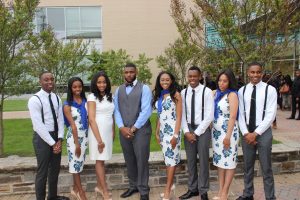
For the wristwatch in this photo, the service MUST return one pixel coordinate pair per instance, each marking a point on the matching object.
(176, 136)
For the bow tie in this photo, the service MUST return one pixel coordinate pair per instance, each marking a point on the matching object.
(129, 84)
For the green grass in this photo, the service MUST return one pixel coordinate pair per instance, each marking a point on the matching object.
(18, 138)
(15, 105)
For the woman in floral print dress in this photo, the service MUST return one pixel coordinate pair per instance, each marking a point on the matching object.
(77, 132)
(168, 102)
(225, 132)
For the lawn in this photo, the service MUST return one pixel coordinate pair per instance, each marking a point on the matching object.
(18, 138)
(15, 105)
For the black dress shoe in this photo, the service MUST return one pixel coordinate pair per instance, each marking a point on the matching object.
(60, 198)
(189, 194)
(128, 193)
(144, 197)
(204, 196)
(290, 118)
(245, 198)
(298, 118)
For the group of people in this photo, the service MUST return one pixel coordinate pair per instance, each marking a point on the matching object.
(196, 113)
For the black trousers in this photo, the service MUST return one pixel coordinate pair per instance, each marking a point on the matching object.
(48, 166)
(294, 103)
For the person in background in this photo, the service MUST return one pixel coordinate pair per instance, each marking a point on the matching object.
(296, 95)
(76, 121)
(46, 114)
(225, 132)
(101, 129)
(285, 92)
(168, 102)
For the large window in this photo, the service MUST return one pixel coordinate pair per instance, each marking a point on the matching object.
(71, 22)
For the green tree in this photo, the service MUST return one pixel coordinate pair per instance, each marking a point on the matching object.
(16, 25)
(64, 59)
(113, 62)
(248, 30)
(178, 57)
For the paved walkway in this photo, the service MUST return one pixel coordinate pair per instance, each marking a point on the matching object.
(287, 188)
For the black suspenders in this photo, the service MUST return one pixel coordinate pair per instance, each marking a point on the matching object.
(265, 103)
(42, 113)
(202, 117)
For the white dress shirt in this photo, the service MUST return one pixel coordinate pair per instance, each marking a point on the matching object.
(35, 109)
(271, 107)
(208, 109)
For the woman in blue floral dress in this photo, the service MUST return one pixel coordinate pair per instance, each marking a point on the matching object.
(225, 134)
(77, 136)
(168, 102)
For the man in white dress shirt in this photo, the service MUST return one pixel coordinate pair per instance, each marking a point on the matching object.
(197, 114)
(46, 114)
(257, 111)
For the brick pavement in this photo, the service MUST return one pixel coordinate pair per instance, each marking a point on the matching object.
(287, 188)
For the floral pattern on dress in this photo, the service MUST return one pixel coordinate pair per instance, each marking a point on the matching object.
(224, 158)
(76, 164)
(167, 119)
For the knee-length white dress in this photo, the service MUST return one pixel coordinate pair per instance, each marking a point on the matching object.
(104, 120)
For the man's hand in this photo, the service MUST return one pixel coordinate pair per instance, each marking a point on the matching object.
(190, 136)
(125, 131)
(57, 147)
(250, 138)
(133, 129)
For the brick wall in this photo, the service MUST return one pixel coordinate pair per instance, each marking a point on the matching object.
(17, 174)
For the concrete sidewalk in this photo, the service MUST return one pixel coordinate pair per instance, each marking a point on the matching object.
(287, 188)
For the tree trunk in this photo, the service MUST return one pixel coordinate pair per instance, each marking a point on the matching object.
(1, 127)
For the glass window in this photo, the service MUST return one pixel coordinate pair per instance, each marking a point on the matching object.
(40, 19)
(56, 18)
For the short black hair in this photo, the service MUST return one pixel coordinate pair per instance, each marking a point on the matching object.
(195, 68)
(231, 79)
(130, 65)
(42, 73)
(255, 63)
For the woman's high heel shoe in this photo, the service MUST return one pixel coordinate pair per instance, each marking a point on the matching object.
(162, 195)
(75, 194)
(97, 190)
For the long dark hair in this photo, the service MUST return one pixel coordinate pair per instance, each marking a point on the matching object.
(94, 88)
(173, 88)
(69, 92)
(231, 78)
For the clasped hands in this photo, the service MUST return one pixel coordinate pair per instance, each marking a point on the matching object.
(128, 132)
(250, 138)
(57, 147)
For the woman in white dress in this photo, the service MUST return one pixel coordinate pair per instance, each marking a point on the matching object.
(168, 102)
(225, 134)
(101, 129)
(75, 116)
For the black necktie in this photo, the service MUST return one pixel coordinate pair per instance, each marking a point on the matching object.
(53, 114)
(193, 110)
(252, 118)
